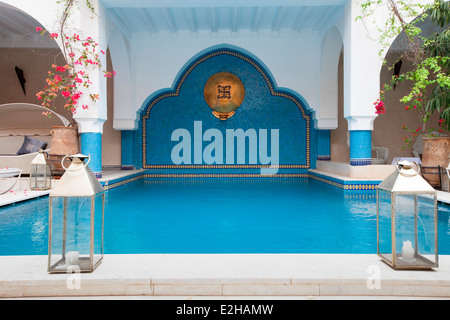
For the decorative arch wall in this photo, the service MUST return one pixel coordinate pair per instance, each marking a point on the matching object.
(265, 107)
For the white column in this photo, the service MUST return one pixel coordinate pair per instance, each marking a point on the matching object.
(362, 65)
(88, 25)
(90, 121)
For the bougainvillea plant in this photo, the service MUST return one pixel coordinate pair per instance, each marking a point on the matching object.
(81, 54)
(429, 78)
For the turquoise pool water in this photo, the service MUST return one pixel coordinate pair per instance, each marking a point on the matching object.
(219, 216)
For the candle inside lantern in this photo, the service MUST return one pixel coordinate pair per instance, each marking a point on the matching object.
(407, 251)
(72, 258)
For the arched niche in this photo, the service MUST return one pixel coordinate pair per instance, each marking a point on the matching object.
(265, 107)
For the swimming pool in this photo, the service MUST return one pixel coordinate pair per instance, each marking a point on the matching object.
(219, 216)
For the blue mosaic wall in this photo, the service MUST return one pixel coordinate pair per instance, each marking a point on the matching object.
(264, 107)
(323, 145)
(91, 144)
(360, 147)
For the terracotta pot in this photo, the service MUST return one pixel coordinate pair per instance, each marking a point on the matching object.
(64, 141)
(435, 153)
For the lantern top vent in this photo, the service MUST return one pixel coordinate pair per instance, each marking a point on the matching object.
(78, 180)
(405, 179)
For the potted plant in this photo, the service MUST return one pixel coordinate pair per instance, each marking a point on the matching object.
(70, 81)
(428, 76)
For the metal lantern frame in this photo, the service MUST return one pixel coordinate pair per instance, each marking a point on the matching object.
(85, 186)
(406, 181)
(41, 173)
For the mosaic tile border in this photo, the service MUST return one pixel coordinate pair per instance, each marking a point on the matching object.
(341, 184)
(225, 175)
(324, 158)
(108, 185)
(176, 93)
(351, 185)
(360, 162)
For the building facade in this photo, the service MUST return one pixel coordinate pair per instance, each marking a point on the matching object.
(294, 57)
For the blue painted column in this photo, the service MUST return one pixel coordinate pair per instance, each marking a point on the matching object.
(323, 145)
(91, 144)
(128, 150)
(360, 147)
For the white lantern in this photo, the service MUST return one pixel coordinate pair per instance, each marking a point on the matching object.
(407, 234)
(41, 174)
(76, 220)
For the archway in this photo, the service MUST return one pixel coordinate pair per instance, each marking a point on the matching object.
(388, 128)
(266, 110)
(25, 51)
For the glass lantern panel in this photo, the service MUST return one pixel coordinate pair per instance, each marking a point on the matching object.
(70, 233)
(384, 224)
(98, 227)
(426, 231)
(414, 230)
(40, 177)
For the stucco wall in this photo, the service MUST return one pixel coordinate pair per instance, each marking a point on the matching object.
(35, 64)
(111, 139)
(388, 131)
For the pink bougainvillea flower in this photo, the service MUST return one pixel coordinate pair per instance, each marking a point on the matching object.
(380, 109)
(38, 29)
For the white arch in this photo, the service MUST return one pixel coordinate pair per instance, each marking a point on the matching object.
(43, 11)
(16, 111)
(327, 115)
(124, 111)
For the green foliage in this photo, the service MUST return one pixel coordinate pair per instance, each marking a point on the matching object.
(429, 56)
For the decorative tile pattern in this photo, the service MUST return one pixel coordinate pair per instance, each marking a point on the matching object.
(348, 185)
(225, 175)
(360, 162)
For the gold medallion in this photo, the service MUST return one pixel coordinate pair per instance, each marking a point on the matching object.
(224, 93)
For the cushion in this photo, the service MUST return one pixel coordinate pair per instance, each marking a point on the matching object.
(31, 145)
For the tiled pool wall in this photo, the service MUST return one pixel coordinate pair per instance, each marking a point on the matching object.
(348, 185)
(265, 107)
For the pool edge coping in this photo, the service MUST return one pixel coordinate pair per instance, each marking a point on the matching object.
(225, 275)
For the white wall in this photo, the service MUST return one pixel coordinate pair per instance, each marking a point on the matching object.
(294, 63)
